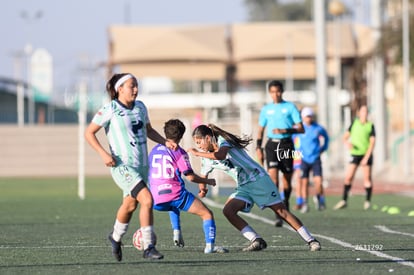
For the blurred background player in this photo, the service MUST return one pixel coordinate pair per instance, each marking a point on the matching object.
(127, 127)
(282, 120)
(222, 150)
(310, 148)
(360, 139)
(168, 188)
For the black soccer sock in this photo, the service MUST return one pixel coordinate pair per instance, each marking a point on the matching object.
(346, 192)
(369, 193)
(287, 193)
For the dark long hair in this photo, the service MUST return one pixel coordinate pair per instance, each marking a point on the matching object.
(110, 85)
(214, 131)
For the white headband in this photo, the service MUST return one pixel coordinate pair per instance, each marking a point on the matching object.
(122, 80)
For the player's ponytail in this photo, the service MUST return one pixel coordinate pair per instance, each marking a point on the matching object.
(214, 131)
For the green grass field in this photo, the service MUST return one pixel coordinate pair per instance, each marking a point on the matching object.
(46, 229)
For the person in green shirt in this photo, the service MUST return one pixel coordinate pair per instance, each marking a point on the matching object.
(360, 139)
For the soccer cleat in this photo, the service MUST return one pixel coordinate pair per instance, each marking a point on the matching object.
(279, 222)
(314, 245)
(215, 249)
(367, 205)
(152, 253)
(178, 238)
(305, 208)
(116, 248)
(340, 205)
(256, 245)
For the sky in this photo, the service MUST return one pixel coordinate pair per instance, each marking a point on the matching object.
(76, 30)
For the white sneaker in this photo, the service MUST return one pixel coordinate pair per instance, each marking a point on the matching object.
(340, 205)
(178, 238)
(215, 249)
(367, 205)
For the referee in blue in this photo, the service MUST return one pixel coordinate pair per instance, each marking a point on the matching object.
(282, 119)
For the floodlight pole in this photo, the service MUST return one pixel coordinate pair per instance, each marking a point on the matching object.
(378, 80)
(321, 81)
(81, 140)
(30, 18)
(18, 60)
(406, 67)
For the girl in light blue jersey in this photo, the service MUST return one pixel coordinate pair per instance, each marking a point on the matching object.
(222, 150)
(127, 127)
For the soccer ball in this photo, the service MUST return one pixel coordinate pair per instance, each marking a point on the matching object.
(138, 242)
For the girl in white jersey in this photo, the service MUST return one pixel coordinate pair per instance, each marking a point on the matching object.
(225, 151)
(127, 127)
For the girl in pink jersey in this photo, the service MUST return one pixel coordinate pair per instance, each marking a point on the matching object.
(168, 188)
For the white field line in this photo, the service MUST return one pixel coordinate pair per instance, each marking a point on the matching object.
(264, 220)
(385, 229)
(332, 240)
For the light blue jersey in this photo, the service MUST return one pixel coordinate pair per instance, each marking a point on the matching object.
(281, 115)
(126, 130)
(254, 186)
(238, 164)
(309, 142)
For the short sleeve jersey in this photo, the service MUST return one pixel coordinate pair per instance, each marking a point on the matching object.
(281, 115)
(166, 168)
(309, 142)
(126, 129)
(238, 164)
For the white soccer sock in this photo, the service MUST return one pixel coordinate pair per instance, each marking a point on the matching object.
(119, 230)
(147, 235)
(304, 233)
(249, 233)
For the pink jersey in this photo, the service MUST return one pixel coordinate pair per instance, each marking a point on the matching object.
(165, 169)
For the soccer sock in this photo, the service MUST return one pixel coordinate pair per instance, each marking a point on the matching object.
(119, 230)
(304, 233)
(209, 227)
(346, 192)
(287, 192)
(369, 193)
(147, 235)
(299, 201)
(249, 233)
(175, 219)
(321, 199)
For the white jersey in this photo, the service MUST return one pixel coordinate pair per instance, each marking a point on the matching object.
(237, 164)
(126, 130)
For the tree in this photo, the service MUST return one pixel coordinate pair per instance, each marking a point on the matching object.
(272, 10)
(392, 41)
